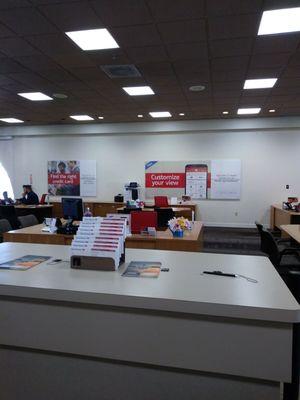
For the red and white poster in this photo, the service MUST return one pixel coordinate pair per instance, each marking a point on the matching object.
(72, 178)
(201, 180)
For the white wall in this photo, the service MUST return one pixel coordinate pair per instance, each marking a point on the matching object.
(270, 160)
(7, 157)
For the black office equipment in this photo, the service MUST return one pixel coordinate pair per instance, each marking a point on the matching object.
(163, 216)
(119, 198)
(9, 212)
(72, 208)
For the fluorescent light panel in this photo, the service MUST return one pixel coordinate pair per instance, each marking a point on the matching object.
(160, 114)
(138, 90)
(280, 21)
(35, 96)
(242, 111)
(11, 120)
(259, 83)
(82, 117)
(93, 39)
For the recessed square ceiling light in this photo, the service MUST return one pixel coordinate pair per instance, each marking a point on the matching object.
(100, 117)
(93, 39)
(140, 116)
(181, 114)
(35, 96)
(82, 117)
(225, 112)
(242, 111)
(259, 83)
(11, 120)
(280, 21)
(160, 114)
(272, 110)
(138, 90)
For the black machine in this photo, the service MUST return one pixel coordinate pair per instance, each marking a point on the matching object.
(72, 208)
(9, 212)
(72, 211)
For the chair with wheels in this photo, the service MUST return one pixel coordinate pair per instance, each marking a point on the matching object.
(161, 201)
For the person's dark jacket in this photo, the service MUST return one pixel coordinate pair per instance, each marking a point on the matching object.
(30, 199)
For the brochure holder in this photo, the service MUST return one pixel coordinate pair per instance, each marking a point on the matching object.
(93, 263)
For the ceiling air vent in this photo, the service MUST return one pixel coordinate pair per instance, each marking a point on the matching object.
(121, 71)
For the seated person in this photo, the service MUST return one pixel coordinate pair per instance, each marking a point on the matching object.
(6, 200)
(29, 197)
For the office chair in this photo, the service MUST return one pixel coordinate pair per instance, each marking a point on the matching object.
(286, 261)
(4, 227)
(28, 220)
(43, 198)
(163, 216)
(161, 201)
(9, 213)
(141, 220)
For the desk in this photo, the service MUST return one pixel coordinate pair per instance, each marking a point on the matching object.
(164, 240)
(100, 209)
(73, 334)
(40, 211)
(292, 230)
(178, 211)
(34, 234)
(279, 217)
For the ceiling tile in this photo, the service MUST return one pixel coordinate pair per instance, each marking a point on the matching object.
(186, 51)
(72, 17)
(276, 43)
(228, 7)
(182, 31)
(122, 13)
(165, 10)
(15, 46)
(54, 44)
(147, 54)
(231, 47)
(269, 60)
(135, 36)
(233, 26)
(26, 21)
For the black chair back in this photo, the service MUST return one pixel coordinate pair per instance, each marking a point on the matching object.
(9, 213)
(270, 247)
(259, 226)
(163, 216)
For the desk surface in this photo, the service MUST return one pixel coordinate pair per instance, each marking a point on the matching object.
(279, 207)
(33, 206)
(189, 235)
(292, 230)
(182, 289)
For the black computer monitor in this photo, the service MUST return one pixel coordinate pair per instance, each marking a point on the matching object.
(72, 208)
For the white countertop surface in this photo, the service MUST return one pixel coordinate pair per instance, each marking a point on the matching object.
(183, 289)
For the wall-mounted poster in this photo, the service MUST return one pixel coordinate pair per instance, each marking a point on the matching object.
(72, 178)
(201, 180)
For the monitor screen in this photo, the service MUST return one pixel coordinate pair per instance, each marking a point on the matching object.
(72, 208)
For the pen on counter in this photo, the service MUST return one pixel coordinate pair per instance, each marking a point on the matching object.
(220, 273)
(230, 275)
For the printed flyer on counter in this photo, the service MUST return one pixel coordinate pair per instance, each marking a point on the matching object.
(143, 269)
(24, 263)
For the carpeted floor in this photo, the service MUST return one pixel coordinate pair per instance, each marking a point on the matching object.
(232, 241)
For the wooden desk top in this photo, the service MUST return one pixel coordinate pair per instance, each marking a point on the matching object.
(34, 206)
(279, 207)
(189, 235)
(34, 234)
(292, 230)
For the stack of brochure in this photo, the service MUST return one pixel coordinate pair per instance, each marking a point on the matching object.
(100, 237)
